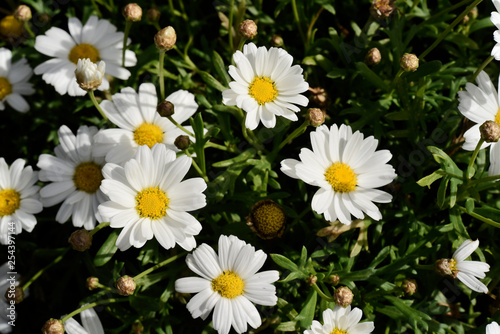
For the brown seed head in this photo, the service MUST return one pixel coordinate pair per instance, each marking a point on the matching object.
(382, 9)
(443, 267)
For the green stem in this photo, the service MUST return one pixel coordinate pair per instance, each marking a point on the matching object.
(128, 25)
(98, 228)
(230, 148)
(230, 26)
(311, 25)
(196, 167)
(485, 179)
(297, 18)
(180, 126)
(321, 293)
(41, 271)
(449, 28)
(159, 265)
(482, 67)
(94, 101)
(297, 132)
(28, 29)
(160, 74)
(90, 305)
(473, 158)
(481, 218)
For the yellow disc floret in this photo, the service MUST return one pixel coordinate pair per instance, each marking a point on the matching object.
(338, 331)
(341, 177)
(263, 90)
(151, 203)
(497, 117)
(5, 87)
(228, 285)
(88, 177)
(10, 201)
(148, 134)
(82, 51)
(268, 219)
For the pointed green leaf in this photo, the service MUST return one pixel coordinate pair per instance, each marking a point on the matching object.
(211, 81)
(429, 179)
(284, 262)
(306, 315)
(220, 68)
(107, 250)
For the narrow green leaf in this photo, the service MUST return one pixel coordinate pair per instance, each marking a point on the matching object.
(107, 250)
(284, 262)
(429, 179)
(458, 225)
(371, 76)
(244, 156)
(444, 160)
(441, 194)
(287, 326)
(303, 257)
(306, 315)
(220, 68)
(211, 81)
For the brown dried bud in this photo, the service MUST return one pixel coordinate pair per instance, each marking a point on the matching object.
(343, 296)
(409, 62)
(165, 109)
(80, 240)
(466, 19)
(277, 41)
(319, 96)
(316, 116)
(43, 19)
(182, 142)
(153, 15)
(409, 286)
(267, 219)
(373, 57)
(248, 29)
(23, 13)
(92, 283)
(53, 326)
(311, 280)
(132, 12)
(382, 9)
(490, 131)
(443, 267)
(14, 294)
(125, 285)
(334, 279)
(137, 327)
(165, 39)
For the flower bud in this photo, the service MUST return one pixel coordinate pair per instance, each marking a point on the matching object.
(316, 116)
(443, 267)
(334, 279)
(165, 39)
(277, 41)
(11, 29)
(409, 286)
(88, 74)
(165, 109)
(137, 327)
(466, 19)
(23, 13)
(132, 12)
(182, 142)
(373, 57)
(311, 280)
(473, 13)
(409, 62)
(16, 295)
(125, 285)
(343, 296)
(80, 240)
(319, 96)
(248, 29)
(153, 15)
(267, 219)
(382, 9)
(490, 131)
(92, 283)
(53, 326)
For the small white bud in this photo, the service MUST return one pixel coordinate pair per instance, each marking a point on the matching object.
(88, 74)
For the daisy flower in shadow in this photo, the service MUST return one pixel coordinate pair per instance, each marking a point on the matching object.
(341, 321)
(90, 321)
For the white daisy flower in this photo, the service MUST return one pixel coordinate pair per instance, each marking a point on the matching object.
(229, 283)
(75, 173)
(18, 198)
(90, 320)
(266, 85)
(96, 40)
(493, 328)
(480, 104)
(14, 82)
(149, 199)
(88, 74)
(140, 124)
(341, 321)
(347, 168)
(495, 18)
(468, 272)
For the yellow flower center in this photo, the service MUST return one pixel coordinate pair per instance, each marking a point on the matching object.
(341, 177)
(88, 177)
(497, 117)
(82, 51)
(268, 219)
(5, 87)
(10, 201)
(452, 264)
(151, 203)
(263, 90)
(148, 134)
(11, 27)
(338, 331)
(228, 285)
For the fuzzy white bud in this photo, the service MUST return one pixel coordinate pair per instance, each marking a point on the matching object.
(88, 74)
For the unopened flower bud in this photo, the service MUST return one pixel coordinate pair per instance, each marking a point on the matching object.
(465, 19)
(53, 326)
(248, 29)
(409, 286)
(88, 74)
(409, 62)
(23, 13)
(443, 267)
(132, 12)
(92, 283)
(80, 240)
(125, 285)
(382, 9)
(165, 108)
(490, 131)
(153, 15)
(43, 19)
(137, 327)
(316, 116)
(343, 296)
(319, 96)
(473, 13)
(267, 219)
(373, 57)
(311, 280)
(16, 295)
(277, 41)
(182, 142)
(165, 39)
(334, 279)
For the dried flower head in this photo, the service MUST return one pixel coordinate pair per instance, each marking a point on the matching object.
(267, 219)
(248, 29)
(132, 12)
(125, 285)
(382, 9)
(165, 39)
(319, 96)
